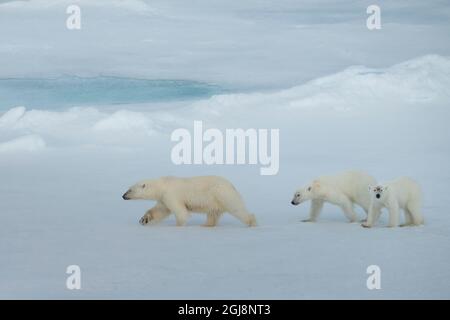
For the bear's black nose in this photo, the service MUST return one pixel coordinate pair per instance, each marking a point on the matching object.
(378, 196)
(292, 202)
(124, 197)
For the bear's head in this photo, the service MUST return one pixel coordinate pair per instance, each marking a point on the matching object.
(378, 191)
(306, 193)
(143, 190)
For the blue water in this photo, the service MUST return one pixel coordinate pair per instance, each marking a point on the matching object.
(72, 91)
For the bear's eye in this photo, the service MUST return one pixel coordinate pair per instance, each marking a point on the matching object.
(309, 189)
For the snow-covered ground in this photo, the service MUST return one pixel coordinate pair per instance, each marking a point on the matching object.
(342, 96)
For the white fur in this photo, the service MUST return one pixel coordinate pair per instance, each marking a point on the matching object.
(209, 194)
(402, 193)
(343, 190)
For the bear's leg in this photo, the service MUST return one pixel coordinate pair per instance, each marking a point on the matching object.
(217, 218)
(211, 219)
(245, 217)
(393, 214)
(154, 215)
(234, 205)
(180, 211)
(181, 217)
(372, 216)
(416, 214)
(408, 218)
(230, 201)
(153, 218)
(314, 211)
(366, 210)
(347, 207)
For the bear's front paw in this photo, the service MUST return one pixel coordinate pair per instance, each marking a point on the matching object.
(308, 220)
(145, 219)
(366, 225)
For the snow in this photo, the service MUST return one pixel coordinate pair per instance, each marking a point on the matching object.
(338, 102)
(26, 143)
(256, 44)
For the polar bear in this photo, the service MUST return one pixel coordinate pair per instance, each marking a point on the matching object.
(212, 195)
(343, 189)
(402, 193)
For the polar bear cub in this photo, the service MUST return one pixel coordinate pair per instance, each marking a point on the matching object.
(212, 195)
(343, 189)
(402, 193)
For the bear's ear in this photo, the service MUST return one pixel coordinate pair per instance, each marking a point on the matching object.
(370, 188)
(385, 188)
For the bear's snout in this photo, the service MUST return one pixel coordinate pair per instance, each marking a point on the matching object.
(125, 196)
(378, 196)
(294, 203)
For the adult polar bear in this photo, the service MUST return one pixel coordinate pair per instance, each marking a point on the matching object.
(212, 195)
(343, 189)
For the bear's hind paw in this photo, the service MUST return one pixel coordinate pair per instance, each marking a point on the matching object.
(406, 225)
(208, 225)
